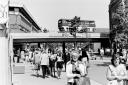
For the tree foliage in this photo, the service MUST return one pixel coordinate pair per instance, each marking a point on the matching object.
(119, 31)
(45, 30)
(74, 25)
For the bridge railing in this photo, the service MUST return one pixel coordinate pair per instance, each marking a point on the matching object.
(59, 35)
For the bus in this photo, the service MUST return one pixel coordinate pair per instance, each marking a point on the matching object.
(84, 25)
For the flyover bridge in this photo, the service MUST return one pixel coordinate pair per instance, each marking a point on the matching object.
(58, 37)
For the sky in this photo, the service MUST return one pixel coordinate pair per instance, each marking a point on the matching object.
(47, 12)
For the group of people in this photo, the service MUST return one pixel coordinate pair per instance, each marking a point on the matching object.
(116, 72)
(48, 61)
(76, 67)
(51, 63)
(77, 63)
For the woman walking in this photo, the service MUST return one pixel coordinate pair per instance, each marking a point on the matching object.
(36, 61)
(116, 72)
(59, 64)
(52, 63)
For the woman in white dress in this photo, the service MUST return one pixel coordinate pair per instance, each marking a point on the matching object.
(116, 72)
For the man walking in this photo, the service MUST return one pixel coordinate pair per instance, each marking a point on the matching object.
(101, 53)
(44, 62)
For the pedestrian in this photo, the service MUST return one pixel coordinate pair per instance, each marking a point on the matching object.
(22, 55)
(18, 55)
(36, 61)
(30, 56)
(98, 51)
(116, 72)
(48, 73)
(67, 57)
(52, 64)
(26, 56)
(101, 53)
(85, 56)
(123, 56)
(15, 56)
(44, 62)
(59, 64)
(74, 69)
(85, 80)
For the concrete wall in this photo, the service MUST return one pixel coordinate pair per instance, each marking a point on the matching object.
(20, 24)
(16, 30)
(17, 24)
(12, 19)
(2, 31)
(34, 30)
(5, 63)
(25, 24)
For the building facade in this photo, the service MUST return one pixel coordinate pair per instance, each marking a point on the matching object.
(21, 21)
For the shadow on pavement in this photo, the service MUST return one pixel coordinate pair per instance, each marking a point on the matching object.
(39, 76)
(104, 64)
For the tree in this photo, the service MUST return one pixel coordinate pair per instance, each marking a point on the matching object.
(75, 22)
(45, 30)
(119, 31)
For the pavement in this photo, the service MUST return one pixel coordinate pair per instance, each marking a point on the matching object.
(97, 74)
(97, 70)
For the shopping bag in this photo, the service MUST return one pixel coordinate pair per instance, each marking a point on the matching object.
(84, 81)
(125, 82)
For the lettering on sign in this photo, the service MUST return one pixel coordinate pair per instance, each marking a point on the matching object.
(65, 35)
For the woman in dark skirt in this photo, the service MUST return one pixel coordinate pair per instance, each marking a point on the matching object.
(59, 64)
(52, 63)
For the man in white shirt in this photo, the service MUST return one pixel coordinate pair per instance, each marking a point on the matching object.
(101, 53)
(75, 69)
(44, 62)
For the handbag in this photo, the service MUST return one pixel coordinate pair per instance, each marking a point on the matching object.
(125, 82)
(84, 81)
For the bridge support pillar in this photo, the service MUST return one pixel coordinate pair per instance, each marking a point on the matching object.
(64, 54)
(38, 45)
